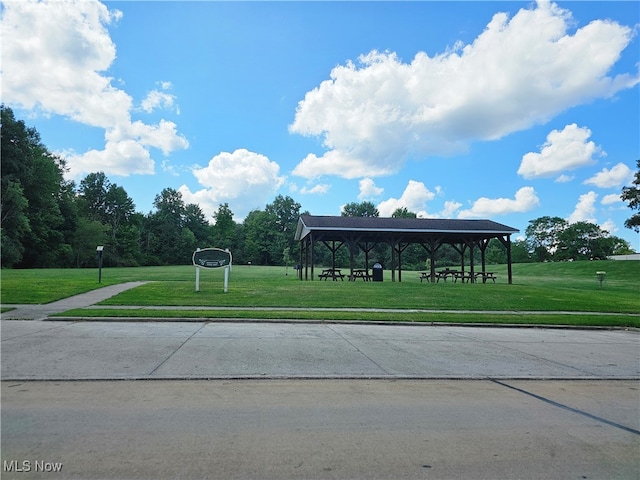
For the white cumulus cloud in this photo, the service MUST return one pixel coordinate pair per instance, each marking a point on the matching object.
(319, 189)
(369, 189)
(243, 179)
(376, 114)
(414, 198)
(617, 176)
(55, 56)
(585, 209)
(450, 208)
(524, 201)
(565, 149)
(157, 99)
(611, 199)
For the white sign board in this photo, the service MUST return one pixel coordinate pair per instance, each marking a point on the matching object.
(212, 258)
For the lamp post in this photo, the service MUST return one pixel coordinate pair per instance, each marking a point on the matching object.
(99, 250)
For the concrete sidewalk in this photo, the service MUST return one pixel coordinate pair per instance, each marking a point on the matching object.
(40, 312)
(72, 349)
(64, 350)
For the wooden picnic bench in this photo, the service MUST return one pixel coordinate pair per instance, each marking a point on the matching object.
(335, 274)
(486, 276)
(463, 276)
(360, 273)
(446, 273)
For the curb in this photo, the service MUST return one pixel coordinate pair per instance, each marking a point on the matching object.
(333, 322)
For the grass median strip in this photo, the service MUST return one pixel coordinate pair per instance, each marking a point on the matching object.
(543, 294)
(603, 320)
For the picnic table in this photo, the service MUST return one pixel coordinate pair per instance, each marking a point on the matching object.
(463, 276)
(446, 273)
(457, 274)
(360, 273)
(334, 273)
(486, 276)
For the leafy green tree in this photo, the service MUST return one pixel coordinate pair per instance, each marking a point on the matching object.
(15, 222)
(520, 252)
(543, 236)
(195, 221)
(262, 242)
(364, 209)
(586, 241)
(87, 236)
(631, 195)
(164, 237)
(105, 202)
(224, 229)
(33, 190)
(403, 212)
(495, 253)
(92, 192)
(285, 212)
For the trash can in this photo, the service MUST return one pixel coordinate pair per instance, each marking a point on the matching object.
(377, 272)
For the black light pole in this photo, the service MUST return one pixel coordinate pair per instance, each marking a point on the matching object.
(99, 250)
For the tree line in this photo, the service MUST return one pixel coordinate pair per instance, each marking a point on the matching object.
(48, 221)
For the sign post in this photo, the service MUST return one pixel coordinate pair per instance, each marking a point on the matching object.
(212, 258)
(99, 250)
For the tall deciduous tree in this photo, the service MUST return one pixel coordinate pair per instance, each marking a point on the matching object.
(364, 209)
(195, 221)
(262, 242)
(105, 202)
(543, 236)
(631, 195)
(285, 212)
(165, 239)
(33, 190)
(224, 229)
(92, 192)
(403, 212)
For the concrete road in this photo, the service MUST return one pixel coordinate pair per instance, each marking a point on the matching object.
(45, 350)
(343, 401)
(321, 429)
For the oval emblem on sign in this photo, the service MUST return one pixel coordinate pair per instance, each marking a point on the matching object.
(211, 258)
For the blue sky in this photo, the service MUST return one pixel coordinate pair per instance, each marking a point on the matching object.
(501, 110)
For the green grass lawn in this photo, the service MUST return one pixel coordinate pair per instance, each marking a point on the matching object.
(546, 287)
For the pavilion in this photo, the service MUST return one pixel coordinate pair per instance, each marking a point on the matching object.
(365, 232)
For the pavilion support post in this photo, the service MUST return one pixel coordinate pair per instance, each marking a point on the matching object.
(333, 254)
(308, 253)
(393, 262)
(432, 248)
(510, 272)
(506, 241)
(300, 256)
(471, 272)
(400, 250)
(313, 255)
(432, 258)
(366, 248)
(483, 248)
(304, 257)
(461, 250)
(352, 246)
(366, 258)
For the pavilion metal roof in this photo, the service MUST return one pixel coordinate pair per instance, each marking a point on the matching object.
(376, 227)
